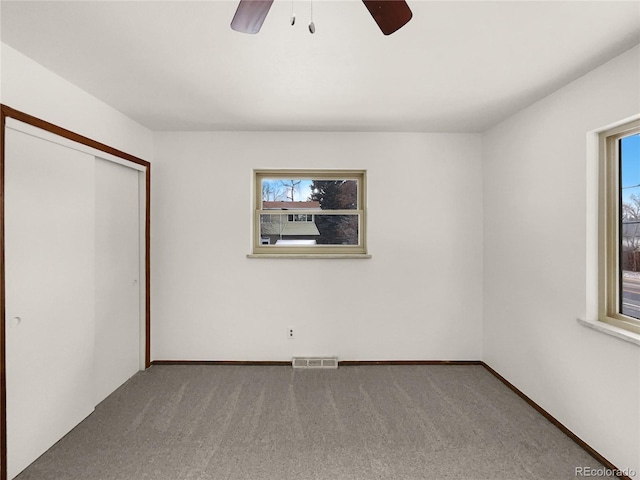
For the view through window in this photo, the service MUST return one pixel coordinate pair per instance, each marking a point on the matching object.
(629, 235)
(319, 211)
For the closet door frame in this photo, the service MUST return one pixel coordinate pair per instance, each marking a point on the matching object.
(8, 112)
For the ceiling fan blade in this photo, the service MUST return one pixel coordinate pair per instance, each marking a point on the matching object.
(250, 15)
(390, 15)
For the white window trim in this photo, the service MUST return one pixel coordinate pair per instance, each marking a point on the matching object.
(608, 243)
(316, 251)
(611, 330)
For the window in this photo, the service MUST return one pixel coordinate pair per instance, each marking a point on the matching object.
(309, 212)
(620, 226)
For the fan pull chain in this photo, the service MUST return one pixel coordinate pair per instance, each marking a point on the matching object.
(293, 15)
(312, 26)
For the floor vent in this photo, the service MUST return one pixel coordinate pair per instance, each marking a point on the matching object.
(315, 362)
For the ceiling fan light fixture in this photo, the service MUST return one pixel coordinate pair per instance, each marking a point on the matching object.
(389, 15)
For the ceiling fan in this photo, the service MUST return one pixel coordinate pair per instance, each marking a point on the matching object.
(390, 15)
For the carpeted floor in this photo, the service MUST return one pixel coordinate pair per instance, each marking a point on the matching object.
(197, 422)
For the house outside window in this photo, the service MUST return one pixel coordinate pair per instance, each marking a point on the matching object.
(301, 217)
(309, 212)
(620, 226)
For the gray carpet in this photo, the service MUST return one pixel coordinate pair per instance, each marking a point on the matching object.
(197, 422)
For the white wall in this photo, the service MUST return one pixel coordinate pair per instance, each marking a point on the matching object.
(419, 297)
(29, 87)
(535, 262)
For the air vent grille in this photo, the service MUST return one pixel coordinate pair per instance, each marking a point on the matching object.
(315, 362)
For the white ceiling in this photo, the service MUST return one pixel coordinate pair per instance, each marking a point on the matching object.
(456, 66)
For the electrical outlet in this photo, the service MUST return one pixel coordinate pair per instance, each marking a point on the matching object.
(290, 334)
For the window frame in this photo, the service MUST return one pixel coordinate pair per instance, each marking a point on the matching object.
(319, 251)
(610, 204)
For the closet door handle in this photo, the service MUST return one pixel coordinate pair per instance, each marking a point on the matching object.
(14, 322)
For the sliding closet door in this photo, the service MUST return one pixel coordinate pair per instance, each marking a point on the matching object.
(49, 251)
(117, 353)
